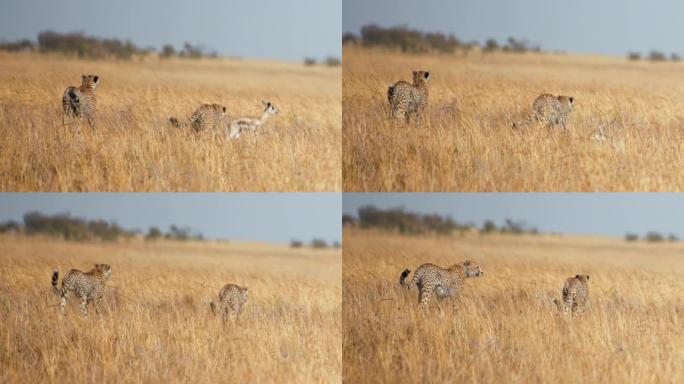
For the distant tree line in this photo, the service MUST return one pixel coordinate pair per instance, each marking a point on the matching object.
(315, 243)
(651, 237)
(67, 227)
(90, 47)
(399, 220)
(414, 41)
(653, 56)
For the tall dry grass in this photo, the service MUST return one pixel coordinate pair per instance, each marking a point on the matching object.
(157, 325)
(507, 330)
(134, 147)
(465, 142)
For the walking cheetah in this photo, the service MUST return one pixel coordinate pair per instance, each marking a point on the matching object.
(88, 286)
(208, 117)
(81, 102)
(230, 298)
(549, 110)
(575, 294)
(406, 99)
(251, 124)
(443, 282)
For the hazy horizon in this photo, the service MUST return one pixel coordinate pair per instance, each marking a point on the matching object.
(264, 217)
(265, 29)
(606, 214)
(609, 27)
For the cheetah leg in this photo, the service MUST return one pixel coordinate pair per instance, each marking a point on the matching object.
(567, 304)
(91, 122)
(84, 306)
(63, 302)
(425, 294)
(98, 305)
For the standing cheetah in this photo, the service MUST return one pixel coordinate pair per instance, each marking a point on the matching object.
(208, 117)
(230, 298)
(443, 282)
(406, 99)
(81, 101)
(575, 294)
(549, 110)
(88, 286)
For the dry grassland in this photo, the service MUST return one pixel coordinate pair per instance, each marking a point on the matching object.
(157, 325)
(507, 329)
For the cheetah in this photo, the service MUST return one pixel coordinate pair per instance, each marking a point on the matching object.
(443, 282)
(575, 294)
(406, 99)
(81, 102)
(208, 117)
(549, 110)
(251, 124)
(88, 286)
(230, 298)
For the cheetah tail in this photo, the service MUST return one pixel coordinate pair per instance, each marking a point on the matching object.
(402, 279)
(213, 306)
(174, 122)
(390, 93)
(523, 123)
(55, 279)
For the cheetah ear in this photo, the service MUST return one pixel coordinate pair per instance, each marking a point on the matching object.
(576, 276)
(467, 262)
(96, 79)
(587, 277)
(427, 75)
(415, 73)
(224, 109)
(571, 99)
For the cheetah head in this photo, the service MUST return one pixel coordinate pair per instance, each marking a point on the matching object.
(421, 76)
(245, 294)
(106, 269)
(270, 108)
(567, 100)
(472, 269)
(90, 81)
(582, 278)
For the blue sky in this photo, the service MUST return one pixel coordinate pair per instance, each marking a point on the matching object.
(586, 26)
(285, 30)
(268, 217)
(611, 214)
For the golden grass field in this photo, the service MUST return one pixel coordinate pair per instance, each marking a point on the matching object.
(157, 325)
(507, 330)
(135, 149)
(465, 141)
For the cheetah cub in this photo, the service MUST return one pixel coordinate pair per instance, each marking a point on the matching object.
(442, 282)
(252, 124)
(575, 295)
(231, 298)
(549, 110)
(406, 99)
(80, 102)
(208, 117)
(88, 286)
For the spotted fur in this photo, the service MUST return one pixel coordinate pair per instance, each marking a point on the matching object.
(231, 298)
(442, 282)
(549, 110)
(81, 102)
(252, 124)
(576, 294)
(406, 99)
(88, 286)
(208, 117)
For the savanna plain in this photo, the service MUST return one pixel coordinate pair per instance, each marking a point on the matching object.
(157, 325)
(506, 327)
(625, 133)
(134, 148)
